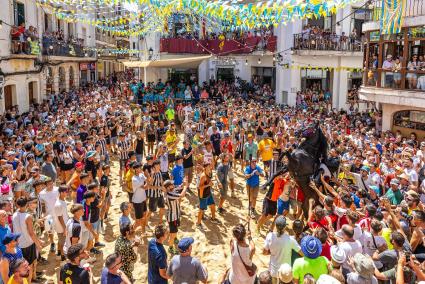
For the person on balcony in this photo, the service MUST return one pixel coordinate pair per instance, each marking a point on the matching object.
(387, 67)
(412, 67)
(17, 34)
(397, 74)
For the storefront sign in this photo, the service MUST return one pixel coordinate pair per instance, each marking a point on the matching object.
(87, 66)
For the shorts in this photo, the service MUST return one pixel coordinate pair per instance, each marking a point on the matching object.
(188, 172)
(223, 190)
(174, 226)
(230, 174)
(85, 237)
(114, 140)
(205, 202)
(217, 153)
(282, 206)
(151, 138)
(96, 228)
(30, 253)
(139, 209)
(171, 157)
(165, 175)
(156, 202)
(238, 155)
(123, 162)
(253, 191)
(269, 207)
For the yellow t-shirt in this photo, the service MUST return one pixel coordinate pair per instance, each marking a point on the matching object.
(266, 147)
(128, 181)
(170, 139)
(386, 234)
(12, 280)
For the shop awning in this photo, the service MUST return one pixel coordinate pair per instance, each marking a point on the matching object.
(169, 61)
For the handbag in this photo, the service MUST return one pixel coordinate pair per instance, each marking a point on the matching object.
(252, 270)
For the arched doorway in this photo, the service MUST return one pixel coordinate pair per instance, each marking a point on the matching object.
(50, 81)
(62, 82)
(9, 96)
(71, 77)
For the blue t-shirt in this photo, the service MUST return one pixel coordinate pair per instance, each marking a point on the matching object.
(157, 259)
(3, 232)
(124, 220)
(80, 193)
(255, 179)
(178, 175)
(109, 278)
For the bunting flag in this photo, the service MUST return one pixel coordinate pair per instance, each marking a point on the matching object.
(139, 17)
(392, 16)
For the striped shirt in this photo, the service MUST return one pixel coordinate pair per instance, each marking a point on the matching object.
(240, 138)
(201, 127)
(157, 181)
(275, 166)
(103, 149)
(124, 147)
(173, 212)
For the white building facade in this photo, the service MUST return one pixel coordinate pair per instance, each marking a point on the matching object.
(33, 68)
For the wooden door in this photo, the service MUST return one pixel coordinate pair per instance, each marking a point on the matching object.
(8, 103)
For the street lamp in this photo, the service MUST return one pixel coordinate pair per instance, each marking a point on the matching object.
(259, 61)
(150, 53)
(1, 24)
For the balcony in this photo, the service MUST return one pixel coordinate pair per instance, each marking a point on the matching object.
(55, 47)
(216, 46)
(399, 80)
(326, 42)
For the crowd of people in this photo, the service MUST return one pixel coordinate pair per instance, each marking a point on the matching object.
(366, 224)
(392, 72)
(21, 38)
(314, 37)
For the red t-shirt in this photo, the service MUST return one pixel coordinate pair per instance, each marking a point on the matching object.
(326, 251)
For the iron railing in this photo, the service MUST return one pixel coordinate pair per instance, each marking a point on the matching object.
(54, 47)
(306, 41)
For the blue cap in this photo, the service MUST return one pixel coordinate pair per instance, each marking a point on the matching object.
(365, 168)
(185, 243)
(10, 237)
(90, 154)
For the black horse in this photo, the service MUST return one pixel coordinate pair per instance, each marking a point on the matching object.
(304, 161)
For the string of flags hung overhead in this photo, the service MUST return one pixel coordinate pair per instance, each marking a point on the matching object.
(138, 17)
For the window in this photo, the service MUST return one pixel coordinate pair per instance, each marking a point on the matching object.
(410, 119)
(19, 13)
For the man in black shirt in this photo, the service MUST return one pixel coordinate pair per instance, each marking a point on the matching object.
(71, 272)
(187, 162)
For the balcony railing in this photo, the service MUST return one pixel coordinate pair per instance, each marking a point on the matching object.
(413, 8)
(28, 47)
(216, 46)
(54, 47)
(414, 80)
(331, 42)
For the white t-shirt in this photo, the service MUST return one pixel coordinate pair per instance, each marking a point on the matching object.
(369, 246)
(60, 210)
(49, 198)
(413, 175)
(139, 193)
(358, 232)
(280, 250)
(350, 248)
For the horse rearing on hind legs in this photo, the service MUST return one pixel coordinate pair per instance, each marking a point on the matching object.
(304, 162)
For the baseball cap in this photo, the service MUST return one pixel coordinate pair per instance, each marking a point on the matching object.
(10, 237)
(185, 243)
